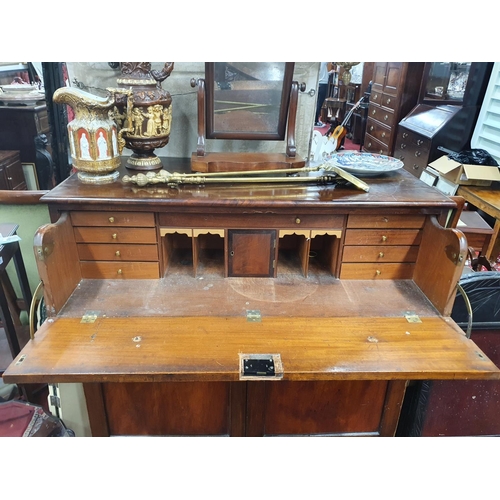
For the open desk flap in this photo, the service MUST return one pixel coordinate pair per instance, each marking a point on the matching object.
(207, 349)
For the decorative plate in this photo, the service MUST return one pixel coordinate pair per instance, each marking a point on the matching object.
(364, 164)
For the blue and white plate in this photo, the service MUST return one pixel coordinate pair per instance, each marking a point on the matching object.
(364, 164)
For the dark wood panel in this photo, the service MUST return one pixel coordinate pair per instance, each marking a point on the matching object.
(308, 408)
(171, 409)
(251, 253)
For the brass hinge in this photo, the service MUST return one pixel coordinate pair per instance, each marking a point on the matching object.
(254, 316)
(89, 316)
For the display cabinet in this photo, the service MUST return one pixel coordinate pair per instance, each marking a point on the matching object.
(449, 101)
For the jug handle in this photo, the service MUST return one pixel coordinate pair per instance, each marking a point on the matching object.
(130, 104)
(159, 76)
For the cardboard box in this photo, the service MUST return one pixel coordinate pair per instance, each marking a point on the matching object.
(466, 175)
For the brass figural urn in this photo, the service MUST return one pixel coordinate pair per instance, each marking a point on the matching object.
(147, 127)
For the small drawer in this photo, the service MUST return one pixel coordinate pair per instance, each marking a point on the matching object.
(389, 101)
(380, 254)
(383, 134)
(383, 221)
(382, 237)
(115, 235)
(373, 145)
(130, 219)
(376, 97)
(120, 270)
(372, 271)
(382, 115)
(251, 221)
(123, 252)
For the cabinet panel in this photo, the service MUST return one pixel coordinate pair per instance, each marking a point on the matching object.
(393, 78)
(11, 171)
(173, 409)
(251, 253)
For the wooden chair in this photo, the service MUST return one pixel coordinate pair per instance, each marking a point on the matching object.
(477, 231)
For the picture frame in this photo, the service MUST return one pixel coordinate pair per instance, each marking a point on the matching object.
(30, 176)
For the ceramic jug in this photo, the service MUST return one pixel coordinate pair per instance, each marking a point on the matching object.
(148, 124)
(94, 139)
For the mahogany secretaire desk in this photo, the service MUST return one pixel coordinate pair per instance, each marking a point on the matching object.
(249, 309)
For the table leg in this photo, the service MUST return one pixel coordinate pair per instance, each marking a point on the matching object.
(23, 278)
(8, 324)
(493, 241)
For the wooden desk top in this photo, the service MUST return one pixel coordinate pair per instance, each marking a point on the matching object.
(397, 188)
(485, 198)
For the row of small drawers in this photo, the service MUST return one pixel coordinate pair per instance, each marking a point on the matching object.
(379, 247)
(121, 245)
(124, 245)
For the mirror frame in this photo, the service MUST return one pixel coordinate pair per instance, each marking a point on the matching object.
(279, 135)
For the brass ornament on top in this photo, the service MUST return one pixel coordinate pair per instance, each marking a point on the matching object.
(147, 125)
(95, 142)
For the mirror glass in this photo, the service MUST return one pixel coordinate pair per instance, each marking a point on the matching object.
(247, 100)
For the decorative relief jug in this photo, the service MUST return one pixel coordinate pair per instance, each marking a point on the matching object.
(95, 142)
(148, 124)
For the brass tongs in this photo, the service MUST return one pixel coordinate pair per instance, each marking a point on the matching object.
(176, 179)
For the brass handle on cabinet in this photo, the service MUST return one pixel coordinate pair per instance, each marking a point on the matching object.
(369, 144)
(386, 117)
(415, 167)
(381, 254)
(383, 134)
(384, 238)
(375, 96)
(374, 111)
(117, 253)
(111, 219)
(389, 101)
(403, 145)
(114, 236)
(371, 128)
(377, 272)
(119, 271)
(420, 142)
(417, 153)
(297, 220)
(405, 135)
(385, 219)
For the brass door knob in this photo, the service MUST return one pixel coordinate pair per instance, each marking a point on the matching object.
(384, 238)
(117, 253)
(111, 219)
(114, 236)
(119, 271)
(297, 220)
(381, 254)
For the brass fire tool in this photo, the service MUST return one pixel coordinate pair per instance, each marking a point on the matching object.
(176, 179)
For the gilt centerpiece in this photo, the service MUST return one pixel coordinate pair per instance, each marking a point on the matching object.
(147, 126)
